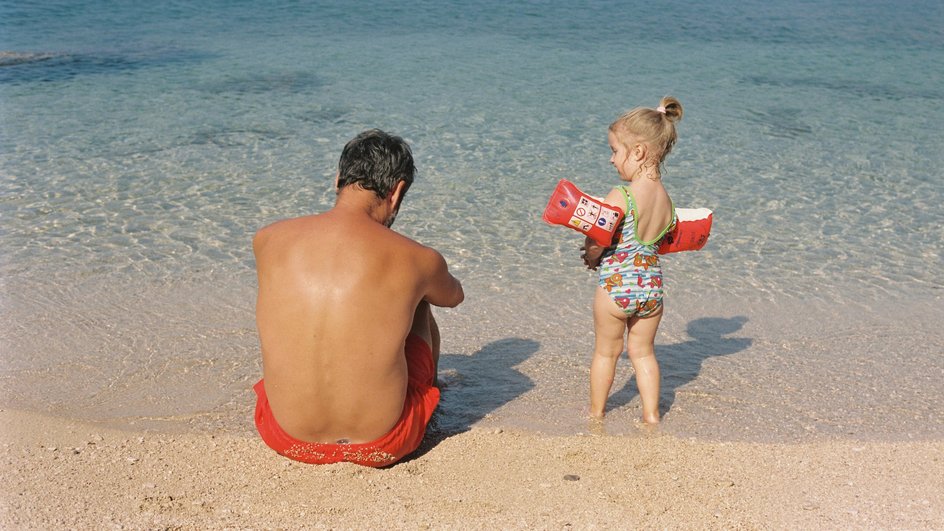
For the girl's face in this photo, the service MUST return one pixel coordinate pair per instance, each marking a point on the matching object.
(626, 165)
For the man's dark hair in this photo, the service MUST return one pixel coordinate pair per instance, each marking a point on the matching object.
(375, 160)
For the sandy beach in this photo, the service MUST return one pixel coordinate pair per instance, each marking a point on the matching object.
(65, 474)
(143, 144)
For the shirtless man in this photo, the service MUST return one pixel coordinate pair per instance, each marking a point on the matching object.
(349, 344)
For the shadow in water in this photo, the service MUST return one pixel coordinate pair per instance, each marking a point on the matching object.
(474, 386)
(680, 363)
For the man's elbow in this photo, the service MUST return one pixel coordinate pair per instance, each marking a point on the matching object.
(456, 298)
(460, 295)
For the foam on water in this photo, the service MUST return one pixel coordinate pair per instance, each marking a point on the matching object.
(140, 148)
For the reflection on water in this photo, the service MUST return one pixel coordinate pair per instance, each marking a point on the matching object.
(142, 145)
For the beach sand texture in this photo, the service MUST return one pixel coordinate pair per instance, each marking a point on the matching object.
(142, 144)
(65, 474)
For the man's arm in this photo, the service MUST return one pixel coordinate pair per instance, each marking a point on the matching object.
(442, 289)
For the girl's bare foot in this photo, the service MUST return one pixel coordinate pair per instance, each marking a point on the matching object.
(651, 418)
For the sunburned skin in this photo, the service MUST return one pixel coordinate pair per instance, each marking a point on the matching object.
(343, 314)
(316, 394)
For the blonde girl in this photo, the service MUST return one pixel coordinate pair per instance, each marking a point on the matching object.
(627, 305)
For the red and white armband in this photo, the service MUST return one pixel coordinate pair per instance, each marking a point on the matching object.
(570, 207)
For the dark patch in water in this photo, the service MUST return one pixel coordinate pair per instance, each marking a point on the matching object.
(857, 88)
(279, 82)
(18, 58)
(781, 122)
(42, 67)
(324, 116)
(235, 137)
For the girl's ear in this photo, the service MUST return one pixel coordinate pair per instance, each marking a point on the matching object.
(639, 152)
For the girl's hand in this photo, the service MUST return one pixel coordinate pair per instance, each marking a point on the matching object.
(591, 252)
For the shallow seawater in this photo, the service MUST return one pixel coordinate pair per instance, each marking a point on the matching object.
(141, 147)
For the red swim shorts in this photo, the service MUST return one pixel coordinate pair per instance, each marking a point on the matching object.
(404, 438)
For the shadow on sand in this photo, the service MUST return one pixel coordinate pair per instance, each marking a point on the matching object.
(474, 386)
(680, 363)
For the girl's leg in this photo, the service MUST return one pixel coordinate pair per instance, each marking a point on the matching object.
(609, 324)
(641, 347)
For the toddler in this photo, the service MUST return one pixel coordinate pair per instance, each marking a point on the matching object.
(627, 305)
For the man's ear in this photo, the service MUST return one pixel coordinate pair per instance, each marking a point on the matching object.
(396, 195)
(337, 177)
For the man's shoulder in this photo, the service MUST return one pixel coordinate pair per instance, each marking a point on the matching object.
(280, 229)
(266, 232)
(414, 247)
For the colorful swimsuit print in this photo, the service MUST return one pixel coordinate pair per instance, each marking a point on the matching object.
(631, 272)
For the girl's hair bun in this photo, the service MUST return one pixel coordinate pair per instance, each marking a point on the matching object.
(671, 108)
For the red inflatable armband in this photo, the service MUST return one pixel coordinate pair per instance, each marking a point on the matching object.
(692, 228)
(572, 208)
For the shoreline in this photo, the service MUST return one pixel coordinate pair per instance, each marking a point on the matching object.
(67, 473)
(777, 371)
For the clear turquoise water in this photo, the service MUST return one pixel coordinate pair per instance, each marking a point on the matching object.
(140, 148)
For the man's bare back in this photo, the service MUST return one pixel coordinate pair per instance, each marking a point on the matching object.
(338, 294)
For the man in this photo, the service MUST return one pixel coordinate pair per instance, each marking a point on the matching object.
(349, 344)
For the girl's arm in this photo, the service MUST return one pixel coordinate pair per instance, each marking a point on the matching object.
(591, 250)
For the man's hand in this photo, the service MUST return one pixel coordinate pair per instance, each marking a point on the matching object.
(591, 252)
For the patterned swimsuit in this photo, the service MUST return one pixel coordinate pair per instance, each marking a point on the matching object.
(631, 272)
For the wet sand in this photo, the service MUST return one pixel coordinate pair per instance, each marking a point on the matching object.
(796, 452)
(63, 473)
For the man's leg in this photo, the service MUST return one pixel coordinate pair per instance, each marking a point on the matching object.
(424, 326)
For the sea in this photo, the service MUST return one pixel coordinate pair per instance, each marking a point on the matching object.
(143, 143)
